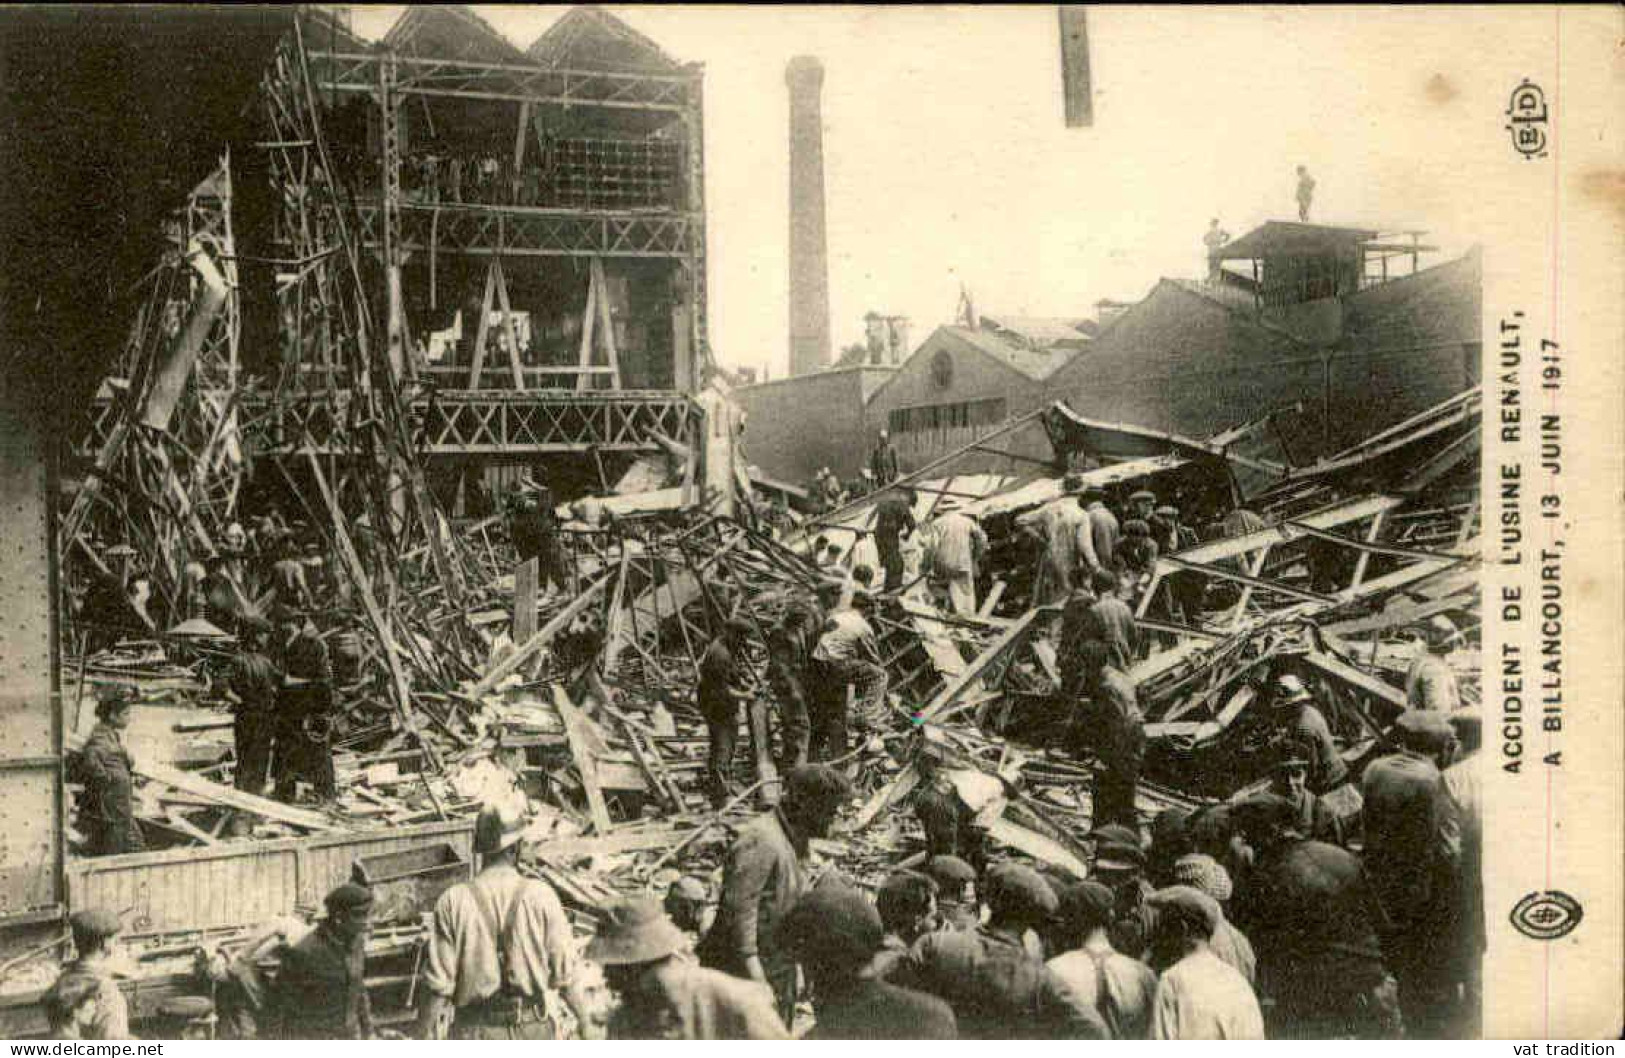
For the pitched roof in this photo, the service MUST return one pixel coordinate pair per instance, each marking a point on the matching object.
(1235, 302)
(1036, 364)
(1288, 238)
(590, 38)
(1040, 330)
(1438, 304)
(449, 31)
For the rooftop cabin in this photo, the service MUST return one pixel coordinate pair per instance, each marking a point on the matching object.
(548, 225)
(1285, 263)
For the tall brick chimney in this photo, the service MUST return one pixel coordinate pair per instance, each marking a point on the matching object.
(809, 264)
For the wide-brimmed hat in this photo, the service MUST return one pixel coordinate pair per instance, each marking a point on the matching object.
(635, 930)
(497, 827)
(1290, 689)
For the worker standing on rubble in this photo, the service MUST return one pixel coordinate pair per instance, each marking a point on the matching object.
(107, 807)
(998, 989)
(726, 683)
(1184, 589)
(883, 461)
(97, 959)
(1412, 853)
(664, 996)
(1109, 724)
(1110, 620)
(320, 992)
(1103, 528)
(256, 683)
(304, 732)
(763, 878)
(1308, 909)
(1431, 682)
(1305, 729)
(1063, 530)
(790, 672)
(500, 949)
(894, 520)
(848, 656)
(956, 555)
(1136, 554)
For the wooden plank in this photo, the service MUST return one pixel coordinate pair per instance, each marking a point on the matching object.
(960, 683)
(575, 729)
(524, 601)
(544, 636)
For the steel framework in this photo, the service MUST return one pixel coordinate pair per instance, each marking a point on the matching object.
(517, 231)
(347, 72)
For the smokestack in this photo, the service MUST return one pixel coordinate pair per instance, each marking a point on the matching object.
(809, 265)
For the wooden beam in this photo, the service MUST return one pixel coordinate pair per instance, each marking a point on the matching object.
(544, 636)
(973, 671)
(575, 729)
(524, 600)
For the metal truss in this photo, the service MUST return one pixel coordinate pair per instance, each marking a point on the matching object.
(346, 72)
(520, 232)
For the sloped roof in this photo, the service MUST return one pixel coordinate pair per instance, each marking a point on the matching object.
(1289, 238)
(449, 31)
(1040, 330)
(1036, 364)
(1438, 304)
(590, 38)
(1239, 305)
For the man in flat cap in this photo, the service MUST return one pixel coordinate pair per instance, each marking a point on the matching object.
(1305, 728)
(1431, 682)
(500, 951)
(665, 996)
(320, 991)
(107, 807)
(957, 904)
(1121, 987)
(1308, 909)
(1108, 723)
(1412, 855)
(835, 934)
(999, 989)
(1289, 778)
(1120, 865)
(71, 1006)
(763, 878)
(1142, 504)
(96, 959)
(1199, 996)
(256, 681)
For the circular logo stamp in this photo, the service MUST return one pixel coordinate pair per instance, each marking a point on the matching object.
(1546, 915)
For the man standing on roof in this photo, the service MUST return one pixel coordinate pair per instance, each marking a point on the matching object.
(883, 461)
(1214, 240)
(1306, 193)
(500, 951)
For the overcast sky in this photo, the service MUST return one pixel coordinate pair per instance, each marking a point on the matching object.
(947, 158)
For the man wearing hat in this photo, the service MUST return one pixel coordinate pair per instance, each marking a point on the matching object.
(957, 906)
(1183, 590)
(847, 655)
(1289, 779)
(997, 988)
(1461, 778)
(1207, 875)
(664, 996)
(894, 520)
(304, 731)
(1199, 996)
(1120, 866)
(883, 461)
(907, 904)
(688, 905)
(255, 683)
(1136, 553)
(1308, 909)
(1111, 620)
(320, 992)
(790, 674)
(1412, 855)
(726, 684)
(1142, 504)
(96, 959)
(1103, 528)
(1122, 987)
(1306, 730)
(835, 933)
(500, 950)
(1431, 682)
(1109, 723)
(956, 554)
(71, 1006)
(763, 878)
(107, 807)
(1062, 530)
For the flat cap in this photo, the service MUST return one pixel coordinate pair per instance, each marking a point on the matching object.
(817, 783)
(1424, 730)
(1192, 906)
(348, 897)
(1204, 873)
(949, 872)
(1115, 835)
(93, 925)
(1136, 527)
(1014, 888)
(1167, 510)
(834, 925)
(1264, 813)
(1087, 905)
(1142, 495)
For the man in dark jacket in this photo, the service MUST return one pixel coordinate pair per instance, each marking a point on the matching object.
(1109, 724)
(726, 683)
(790, 671)
(1309, 914)
(320, 991)
(255, 683)
(998, 989)
(107, 809)
(304, 730)
(763, 878)
(835, 933)
(894, 519)
(1305, 728)
(883, 461)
